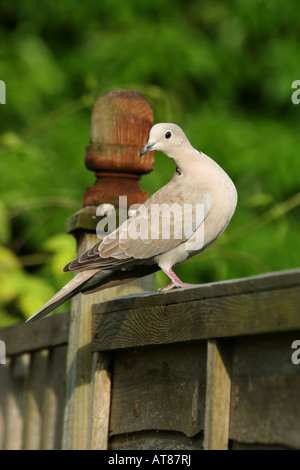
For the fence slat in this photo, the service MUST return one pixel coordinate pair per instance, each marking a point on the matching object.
(159, 388)
(217, 402)
(100, 402)
(34, 400)
(15, 401)
(265, 405)
(54, 398)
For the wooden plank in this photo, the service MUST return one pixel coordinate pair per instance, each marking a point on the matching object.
(34, 400)
(159, 388)
(262, 282)
(100, 402)
(217, 402)
(215, 317)
(19, 369)
(54, 399)
(265, 405)
(26, 337)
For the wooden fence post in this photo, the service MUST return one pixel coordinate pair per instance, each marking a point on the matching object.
(121, 121)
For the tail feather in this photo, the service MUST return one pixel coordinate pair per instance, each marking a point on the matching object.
(66, 293)
(93, 280)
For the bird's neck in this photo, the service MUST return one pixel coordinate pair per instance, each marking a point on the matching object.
(191, 159)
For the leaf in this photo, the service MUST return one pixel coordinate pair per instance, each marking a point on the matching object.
(63, 247)
(33, 293)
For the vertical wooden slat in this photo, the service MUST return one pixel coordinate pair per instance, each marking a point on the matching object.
(218, 389)
(34, 400)
(54, 400)
(19, 369)
(100, 402)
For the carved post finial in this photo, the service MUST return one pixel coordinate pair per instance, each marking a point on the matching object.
(121, 121)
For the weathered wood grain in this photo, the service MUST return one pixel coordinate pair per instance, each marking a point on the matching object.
(100, 402)
(218, 390)
(54, 399)
(18, 370)
(159, 388)
(26, 337)
(265, 404)
(262, 282)
(258, 305)
(33, 400)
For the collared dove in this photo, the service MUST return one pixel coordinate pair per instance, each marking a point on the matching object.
(161, 233)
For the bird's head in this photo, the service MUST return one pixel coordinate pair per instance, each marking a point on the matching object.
(166, 138)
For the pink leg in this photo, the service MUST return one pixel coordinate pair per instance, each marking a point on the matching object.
(175, 281)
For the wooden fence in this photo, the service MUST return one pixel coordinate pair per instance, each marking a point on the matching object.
(204, 367)
(32, 384)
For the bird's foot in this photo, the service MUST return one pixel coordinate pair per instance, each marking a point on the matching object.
(175, 286)
(176, 283)
(167, 288)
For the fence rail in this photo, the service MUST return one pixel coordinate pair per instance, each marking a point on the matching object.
(259, 304)
(32, 394)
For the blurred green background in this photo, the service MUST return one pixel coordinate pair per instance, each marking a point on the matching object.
(223, 71)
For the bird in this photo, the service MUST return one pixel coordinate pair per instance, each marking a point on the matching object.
(180, 220)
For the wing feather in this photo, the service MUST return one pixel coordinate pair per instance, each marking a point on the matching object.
(166, 220)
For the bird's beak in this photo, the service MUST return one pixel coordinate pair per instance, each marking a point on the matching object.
(147, 148)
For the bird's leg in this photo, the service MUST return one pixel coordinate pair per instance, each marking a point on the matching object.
(175, 281)
(174, 278)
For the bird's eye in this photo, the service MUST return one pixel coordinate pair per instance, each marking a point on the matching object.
(168, 134)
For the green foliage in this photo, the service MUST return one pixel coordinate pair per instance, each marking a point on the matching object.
(222, 70)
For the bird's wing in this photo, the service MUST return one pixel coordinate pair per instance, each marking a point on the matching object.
(91, 260)
(167, 219)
